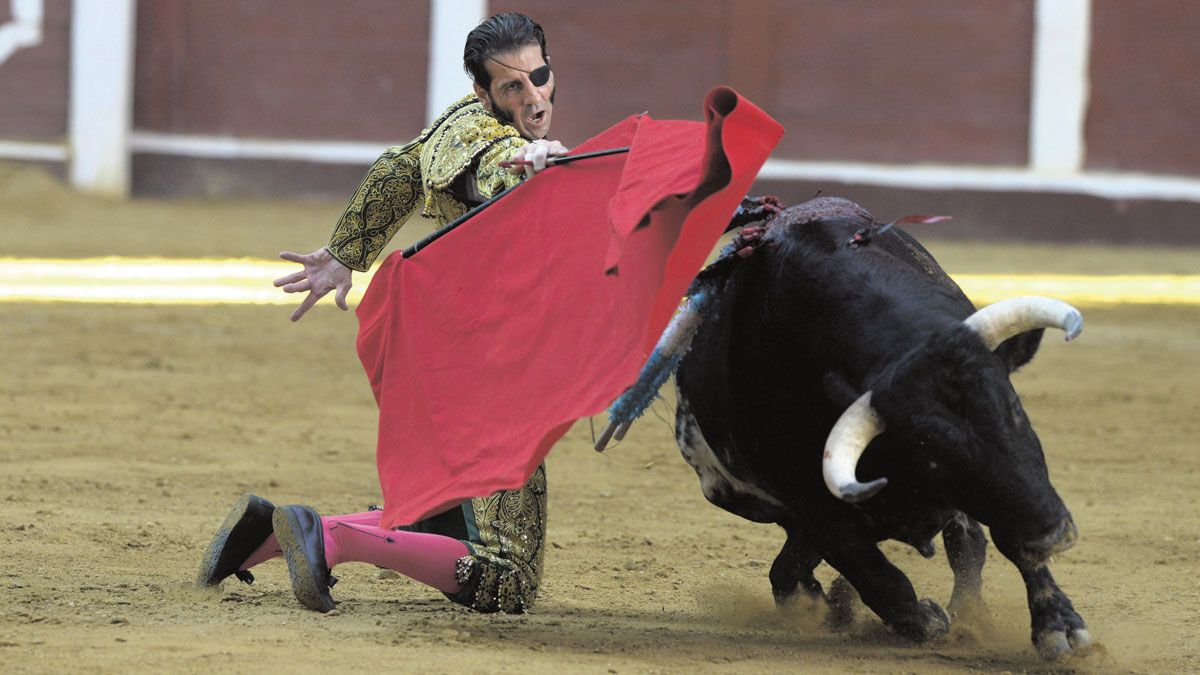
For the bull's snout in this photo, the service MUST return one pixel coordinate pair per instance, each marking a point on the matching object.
(1058, 539)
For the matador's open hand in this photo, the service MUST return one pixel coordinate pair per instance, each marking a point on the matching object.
(322, 273)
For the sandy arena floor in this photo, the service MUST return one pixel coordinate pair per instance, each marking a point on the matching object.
(127, 431)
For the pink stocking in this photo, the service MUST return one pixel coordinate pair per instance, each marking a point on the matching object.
(428, 558)
(270, 548)
(267, 550)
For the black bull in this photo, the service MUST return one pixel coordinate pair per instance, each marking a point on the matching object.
(809, 325)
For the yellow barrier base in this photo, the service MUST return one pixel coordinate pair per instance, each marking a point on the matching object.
(246, 281)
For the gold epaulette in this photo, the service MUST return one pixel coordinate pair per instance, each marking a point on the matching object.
(428, 165)
(469, 133)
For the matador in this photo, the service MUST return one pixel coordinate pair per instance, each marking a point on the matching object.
(487, 552)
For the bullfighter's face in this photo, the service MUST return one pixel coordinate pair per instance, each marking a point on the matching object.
(513, 97)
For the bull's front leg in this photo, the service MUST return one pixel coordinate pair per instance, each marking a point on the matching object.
(793, 570)
(884, 588)
(966, 549)
(1058, 630)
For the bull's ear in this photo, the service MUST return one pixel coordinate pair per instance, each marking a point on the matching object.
(1019, 349)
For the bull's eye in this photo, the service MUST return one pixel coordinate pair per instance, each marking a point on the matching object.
(933, 466)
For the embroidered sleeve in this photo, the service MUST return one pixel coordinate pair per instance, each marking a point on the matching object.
(388, 195)
(491, 179)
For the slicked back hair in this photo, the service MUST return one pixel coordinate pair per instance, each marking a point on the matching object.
(496, 35)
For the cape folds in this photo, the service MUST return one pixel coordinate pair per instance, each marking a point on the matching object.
(484, 348)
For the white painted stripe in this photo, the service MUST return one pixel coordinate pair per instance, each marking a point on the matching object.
(449, 23)
(176, 280)
(39, 152)
(920, 176)
(1059, 98)
(227, 147)
(946, 177)
(23, 29)
(101, 103)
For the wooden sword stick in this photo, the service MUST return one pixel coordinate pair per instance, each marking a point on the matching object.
(412, 250)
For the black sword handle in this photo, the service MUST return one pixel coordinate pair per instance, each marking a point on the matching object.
(412, 250)
(567, 159)
(434, 236)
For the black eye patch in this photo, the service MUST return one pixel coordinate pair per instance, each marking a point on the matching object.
(540, 76)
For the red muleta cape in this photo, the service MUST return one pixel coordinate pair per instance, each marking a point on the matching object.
(486, 346)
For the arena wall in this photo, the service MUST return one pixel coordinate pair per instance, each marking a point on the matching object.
(863, 82)
(1144, 113)
(34, 76)
(345, 70)
(1033, 107)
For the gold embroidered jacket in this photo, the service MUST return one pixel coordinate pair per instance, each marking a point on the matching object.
(453, 160)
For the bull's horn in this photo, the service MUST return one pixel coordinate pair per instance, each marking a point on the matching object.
(1001, 320)
(847, 440)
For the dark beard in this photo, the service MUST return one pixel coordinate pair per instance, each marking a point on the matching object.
(503, 115)
(507, 117)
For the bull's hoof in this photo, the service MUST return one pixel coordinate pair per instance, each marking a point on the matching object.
(787, 591)
(926, 622)
(789, 602)
(1060, 644)
(1058, 630)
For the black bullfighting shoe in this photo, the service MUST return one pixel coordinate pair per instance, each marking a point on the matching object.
(302, 539)
(245, 529)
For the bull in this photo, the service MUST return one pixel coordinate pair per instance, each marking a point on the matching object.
(840, 384)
